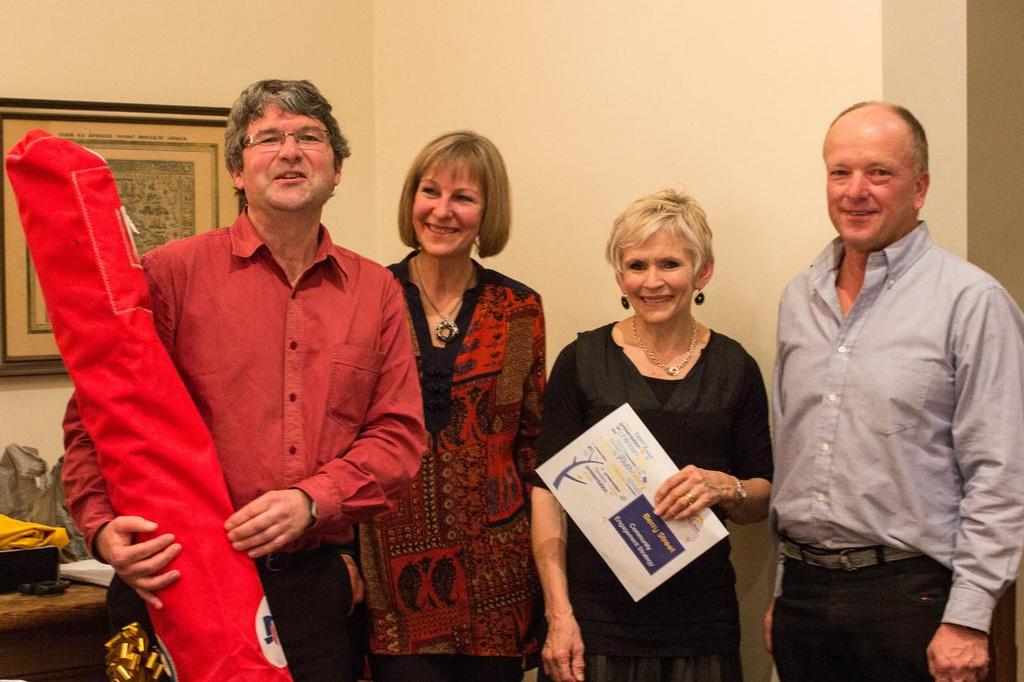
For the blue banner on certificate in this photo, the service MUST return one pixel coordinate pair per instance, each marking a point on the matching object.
(605, 480)
(646, 534)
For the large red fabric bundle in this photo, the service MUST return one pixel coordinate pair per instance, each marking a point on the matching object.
(155, 452)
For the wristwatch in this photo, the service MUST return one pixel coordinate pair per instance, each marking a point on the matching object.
(313, 514)
(741, 490)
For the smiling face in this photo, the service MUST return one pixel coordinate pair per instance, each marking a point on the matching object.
(658, 278)
(446, 213)
(875, 189)
(290, 179)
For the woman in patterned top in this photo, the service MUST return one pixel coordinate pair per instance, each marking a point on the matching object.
(702, 397)
(452, 592)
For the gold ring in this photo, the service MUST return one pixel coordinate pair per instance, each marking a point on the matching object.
(690, 499)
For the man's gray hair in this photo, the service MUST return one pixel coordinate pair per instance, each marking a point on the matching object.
(297, 97)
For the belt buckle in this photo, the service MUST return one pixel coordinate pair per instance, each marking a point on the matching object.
(845, 562)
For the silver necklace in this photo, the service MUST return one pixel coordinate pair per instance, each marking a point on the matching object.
(673, 370)
(446, 330)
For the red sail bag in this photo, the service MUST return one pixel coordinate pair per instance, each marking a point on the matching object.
(155, 453)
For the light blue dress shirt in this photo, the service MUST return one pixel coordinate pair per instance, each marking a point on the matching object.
(902, 424)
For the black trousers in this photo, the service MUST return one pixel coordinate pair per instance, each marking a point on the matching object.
(309, 596)
(871, 624)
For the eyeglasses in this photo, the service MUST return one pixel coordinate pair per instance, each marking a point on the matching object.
(272, 140)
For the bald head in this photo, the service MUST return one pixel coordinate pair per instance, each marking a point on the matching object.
(918, 141)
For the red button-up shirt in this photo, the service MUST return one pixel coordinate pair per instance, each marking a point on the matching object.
(312, 386)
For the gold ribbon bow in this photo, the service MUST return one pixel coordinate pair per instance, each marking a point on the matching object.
(130, 658)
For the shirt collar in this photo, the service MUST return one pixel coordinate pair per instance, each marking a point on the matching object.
(895, 258)
(245, 242)
(902, 254)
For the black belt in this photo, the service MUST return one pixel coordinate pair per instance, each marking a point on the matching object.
(276, 562)
(850, 559)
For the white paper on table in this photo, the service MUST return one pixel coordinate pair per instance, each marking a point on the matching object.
(605, 480)
(88, 571)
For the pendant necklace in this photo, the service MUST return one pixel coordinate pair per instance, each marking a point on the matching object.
(446, 330)
(672, 370)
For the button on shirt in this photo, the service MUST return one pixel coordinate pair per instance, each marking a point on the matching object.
(902, 424)
(311, 387)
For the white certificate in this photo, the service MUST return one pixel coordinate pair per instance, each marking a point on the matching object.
(606, 480)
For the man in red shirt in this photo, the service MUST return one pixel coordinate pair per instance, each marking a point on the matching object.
(296, 353)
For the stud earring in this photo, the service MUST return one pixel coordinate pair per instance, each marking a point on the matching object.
(699, 298)
(625, 302)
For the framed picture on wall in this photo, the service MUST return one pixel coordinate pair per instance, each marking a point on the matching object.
(168, 162)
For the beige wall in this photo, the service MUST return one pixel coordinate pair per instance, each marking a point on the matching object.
(593, 103)
(925, 69)
(995, 204)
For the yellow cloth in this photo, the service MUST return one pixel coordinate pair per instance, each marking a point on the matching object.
(16, 534)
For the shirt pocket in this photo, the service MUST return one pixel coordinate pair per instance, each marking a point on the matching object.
(896, 399)
(355, 372)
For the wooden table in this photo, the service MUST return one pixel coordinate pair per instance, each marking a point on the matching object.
(58, 637)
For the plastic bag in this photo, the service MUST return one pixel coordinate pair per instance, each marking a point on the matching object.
(49, 509)
(30, 492)
(20, 470)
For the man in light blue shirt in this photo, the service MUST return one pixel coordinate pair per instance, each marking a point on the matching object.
(899, 431)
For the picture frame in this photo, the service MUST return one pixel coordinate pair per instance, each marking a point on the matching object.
(168, 162)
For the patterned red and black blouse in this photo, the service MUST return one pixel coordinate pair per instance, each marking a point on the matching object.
(450, 570)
